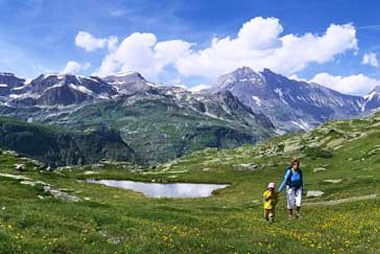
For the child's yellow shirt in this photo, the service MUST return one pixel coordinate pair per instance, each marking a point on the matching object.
(270, 199)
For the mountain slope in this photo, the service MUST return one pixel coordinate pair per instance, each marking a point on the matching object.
(57, 147)
(163, 126)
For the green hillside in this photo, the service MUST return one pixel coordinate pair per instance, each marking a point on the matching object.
(340, 158)
(57, 146)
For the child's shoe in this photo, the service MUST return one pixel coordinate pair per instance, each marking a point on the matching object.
(290, 217)
(298, 215)
(272, 219)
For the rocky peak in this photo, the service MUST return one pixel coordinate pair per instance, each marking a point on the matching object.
(11, 80)
(244, 75)
(129, 82)
(125, 77)
(376, 90)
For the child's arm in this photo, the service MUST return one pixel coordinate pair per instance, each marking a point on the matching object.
(267, 195)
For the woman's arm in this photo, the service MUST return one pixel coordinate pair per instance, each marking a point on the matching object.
(282, 186)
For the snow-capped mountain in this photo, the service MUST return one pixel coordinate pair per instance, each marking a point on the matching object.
(60, 89)
(291, 104)
(163, 122)
(130, 82)
(372, 100)
(9, 81)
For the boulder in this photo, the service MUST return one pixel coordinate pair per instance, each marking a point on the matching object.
(319, 169)
(332, 180)
(314, 193)
(20, 167)
(60, 194)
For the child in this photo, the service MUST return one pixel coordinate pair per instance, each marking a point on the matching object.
(270, 200)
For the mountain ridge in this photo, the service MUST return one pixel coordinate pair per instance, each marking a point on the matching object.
(160, 123)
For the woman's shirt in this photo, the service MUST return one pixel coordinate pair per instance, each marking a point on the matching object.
(292, 179)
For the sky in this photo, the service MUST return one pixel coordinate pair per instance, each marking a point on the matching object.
(191, 42)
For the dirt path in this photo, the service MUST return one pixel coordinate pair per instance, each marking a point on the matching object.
(344, 200)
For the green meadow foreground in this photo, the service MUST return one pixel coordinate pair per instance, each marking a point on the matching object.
(341, 159)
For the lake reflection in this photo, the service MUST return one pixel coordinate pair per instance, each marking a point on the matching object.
(158, 190)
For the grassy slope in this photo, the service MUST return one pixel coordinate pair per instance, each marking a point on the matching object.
(122, 221)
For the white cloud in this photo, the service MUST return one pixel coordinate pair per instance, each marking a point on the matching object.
(141, 52)
(199, 88)
(258, 44)
(295, 77)
(89, 42)
(112, 43)
(355, 84)
(370, 59)
(73, 67)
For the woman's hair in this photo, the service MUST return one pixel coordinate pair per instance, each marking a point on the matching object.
(294, 161)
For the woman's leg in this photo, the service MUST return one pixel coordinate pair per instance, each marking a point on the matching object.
(290, 196)
(298, 198)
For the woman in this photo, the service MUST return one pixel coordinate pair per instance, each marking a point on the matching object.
(294, 185)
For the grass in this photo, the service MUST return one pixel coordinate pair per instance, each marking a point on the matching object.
(231, 221)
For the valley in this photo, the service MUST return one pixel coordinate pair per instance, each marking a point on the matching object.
(339, 159)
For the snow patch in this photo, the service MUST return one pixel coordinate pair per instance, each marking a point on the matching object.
(370, 96)
(123, 74)
(20, 87)
(81, 89)
(302, 124)
(152, 84)
(280, 94)
(257, 100)
(59, 76)
(23, 96)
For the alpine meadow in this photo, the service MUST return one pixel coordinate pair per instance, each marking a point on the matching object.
(210, 127)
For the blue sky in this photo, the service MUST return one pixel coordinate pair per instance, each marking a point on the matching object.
(170, 41)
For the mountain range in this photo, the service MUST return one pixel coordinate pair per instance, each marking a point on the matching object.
(158, 123)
